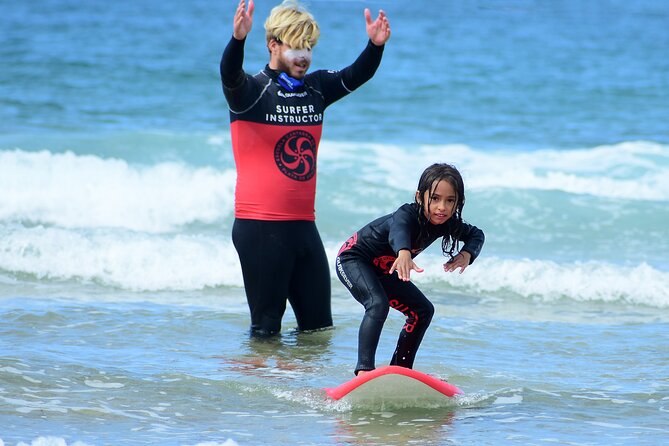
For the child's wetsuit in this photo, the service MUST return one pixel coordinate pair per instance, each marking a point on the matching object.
(275, 138)
(363, 266)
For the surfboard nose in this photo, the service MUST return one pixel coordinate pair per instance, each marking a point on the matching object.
(394, 383)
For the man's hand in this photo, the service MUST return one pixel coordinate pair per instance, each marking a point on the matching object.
(243, 22)
(379, 29)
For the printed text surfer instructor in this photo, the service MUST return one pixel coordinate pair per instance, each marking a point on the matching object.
(276, 120)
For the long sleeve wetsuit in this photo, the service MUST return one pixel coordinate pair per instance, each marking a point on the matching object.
(363, 266)
(275, 138)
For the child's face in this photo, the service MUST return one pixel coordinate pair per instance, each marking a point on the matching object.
(440, 206)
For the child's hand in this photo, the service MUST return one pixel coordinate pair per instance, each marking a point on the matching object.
(459, 261)
(403, 264)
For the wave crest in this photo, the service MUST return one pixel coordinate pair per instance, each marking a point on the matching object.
(74, 191)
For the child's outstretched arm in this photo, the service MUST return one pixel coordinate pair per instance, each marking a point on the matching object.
(461, 261)
(403, 264)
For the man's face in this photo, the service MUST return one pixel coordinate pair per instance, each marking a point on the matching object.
(294, 63)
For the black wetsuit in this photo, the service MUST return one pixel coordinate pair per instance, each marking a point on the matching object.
(363, 266)
(275, 138)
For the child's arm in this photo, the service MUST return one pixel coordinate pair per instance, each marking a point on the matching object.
(399, 239)
(461, 261)
(403, 264)
(473, 239)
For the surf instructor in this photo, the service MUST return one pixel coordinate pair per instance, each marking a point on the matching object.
(276, 119)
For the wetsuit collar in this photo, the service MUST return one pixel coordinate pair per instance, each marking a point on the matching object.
(288, 83)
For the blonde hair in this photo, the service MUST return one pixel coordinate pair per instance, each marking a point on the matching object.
(293, 25)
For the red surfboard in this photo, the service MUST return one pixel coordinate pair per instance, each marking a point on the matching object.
(394, 384)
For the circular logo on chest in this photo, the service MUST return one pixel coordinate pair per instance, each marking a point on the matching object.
(295, 155)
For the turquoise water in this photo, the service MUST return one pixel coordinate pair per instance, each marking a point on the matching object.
(122, 313)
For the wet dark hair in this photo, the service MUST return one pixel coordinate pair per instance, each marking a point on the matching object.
(432, 176)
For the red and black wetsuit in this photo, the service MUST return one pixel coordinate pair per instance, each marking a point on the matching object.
(363, 264)
(275, 138)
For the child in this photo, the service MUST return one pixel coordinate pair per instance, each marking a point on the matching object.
(367, 261)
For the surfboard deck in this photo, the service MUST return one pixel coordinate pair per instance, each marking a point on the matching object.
(394, 385)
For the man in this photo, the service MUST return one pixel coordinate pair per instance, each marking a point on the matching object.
(276, 119)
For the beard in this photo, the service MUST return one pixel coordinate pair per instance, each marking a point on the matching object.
(294, 67)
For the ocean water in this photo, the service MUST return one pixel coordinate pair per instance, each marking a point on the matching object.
(123, 319)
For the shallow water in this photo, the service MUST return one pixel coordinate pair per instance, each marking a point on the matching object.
(114, 372)
(122, 313)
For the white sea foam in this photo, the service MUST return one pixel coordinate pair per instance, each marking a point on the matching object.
(102, 221)
(102, 385)
(636, 170)
(549, 281)
(49, 441)
(85, 191)
(76, 191)
(123, 259)
(157, 262)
